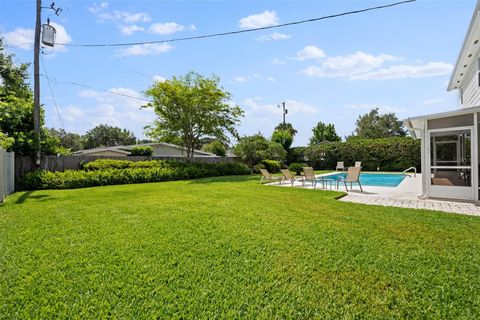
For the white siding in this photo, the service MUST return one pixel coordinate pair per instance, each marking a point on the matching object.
(470, 87)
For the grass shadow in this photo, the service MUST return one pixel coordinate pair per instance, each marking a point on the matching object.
(28, 196)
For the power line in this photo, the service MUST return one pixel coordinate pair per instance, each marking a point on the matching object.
(240, 31)
(92, 88)
(51, 92)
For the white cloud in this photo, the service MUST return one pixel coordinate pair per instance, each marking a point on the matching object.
(255, 105)
(276, 61)
(20, 37)
(271, 79)
(112, 107)
(97, 7)
(131, 29)
(347, 66)
(310, 52)
(264, 19)
(145, 49)
(158, 78)
(431, 69)
(381, 108)
(240, 79)
(123, 16)
(273, 37)
(23, 38)
(432, 101)
(168, 28)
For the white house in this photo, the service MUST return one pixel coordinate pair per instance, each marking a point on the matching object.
(159, 149)
(450, 160)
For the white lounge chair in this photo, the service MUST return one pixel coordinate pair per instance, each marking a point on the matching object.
(353, 175)
(340, 166)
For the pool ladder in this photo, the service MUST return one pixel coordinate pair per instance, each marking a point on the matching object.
(414, 173)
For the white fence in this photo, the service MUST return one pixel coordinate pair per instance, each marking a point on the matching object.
(7, 173)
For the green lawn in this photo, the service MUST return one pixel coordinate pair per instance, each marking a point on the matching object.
(231, 248)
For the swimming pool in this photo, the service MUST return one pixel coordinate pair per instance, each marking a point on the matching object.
(373, 179)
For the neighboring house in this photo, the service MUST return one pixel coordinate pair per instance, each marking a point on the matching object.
(159, 149)
(450, 143)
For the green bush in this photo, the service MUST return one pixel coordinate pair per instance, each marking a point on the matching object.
(388, 154)
(215, 147)
(272, 166)
(102, 164)
(145, 151)
(71, 179)
(257, 167)
(296, 154)
(296, 167)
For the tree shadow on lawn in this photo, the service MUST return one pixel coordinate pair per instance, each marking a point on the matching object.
(28, 196)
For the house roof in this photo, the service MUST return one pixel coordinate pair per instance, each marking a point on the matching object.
(467, 57)
(124, 149)
(415, 124)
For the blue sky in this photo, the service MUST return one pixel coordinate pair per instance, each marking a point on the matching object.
(398, 59)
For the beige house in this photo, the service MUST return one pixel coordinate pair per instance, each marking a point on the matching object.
(160, 149)
(450, 143)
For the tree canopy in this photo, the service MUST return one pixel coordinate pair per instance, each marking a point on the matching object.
(16, 110)
(374, 125)
(324, 132)
(286, 127)
(255, 148)
(283, 137)
(190, 108)
(68, 140)
(104, 136)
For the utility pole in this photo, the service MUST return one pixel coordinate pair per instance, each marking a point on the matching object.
(285, 111)
(36, 84)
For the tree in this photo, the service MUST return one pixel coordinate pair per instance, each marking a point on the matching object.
(324, 132)
(215, 147)
(255, 148)
(145, 151)
(286, 127)
(68, 140)
(192, 107)
(373, 125)
(104, 136)
(16, 110)
(284, 138)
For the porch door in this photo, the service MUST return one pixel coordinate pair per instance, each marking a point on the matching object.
(450, 159)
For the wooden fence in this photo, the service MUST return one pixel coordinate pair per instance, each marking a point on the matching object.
(23, 165)
(7, 177)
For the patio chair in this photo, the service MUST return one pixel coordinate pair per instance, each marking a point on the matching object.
(353, 175)
(309, 176)
(267, 177)
(358, 164)
(340, 166)
(288, 176)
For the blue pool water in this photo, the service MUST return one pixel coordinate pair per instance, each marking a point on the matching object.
(374, 179)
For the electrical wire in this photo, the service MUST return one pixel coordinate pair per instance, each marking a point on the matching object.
(92, 88)
(51, 92)
(240, 31)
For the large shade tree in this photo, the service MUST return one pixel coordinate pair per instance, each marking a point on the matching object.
(190, 108)
(374, 125)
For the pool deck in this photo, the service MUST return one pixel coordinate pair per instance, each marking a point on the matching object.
(405, 195)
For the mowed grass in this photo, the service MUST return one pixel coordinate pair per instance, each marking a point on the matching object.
(231, 248)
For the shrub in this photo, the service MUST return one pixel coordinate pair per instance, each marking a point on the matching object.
(145, 151)
(253, 149)
(388, 154)
(272, 166)
(257, 167)
(296, 154)
(296, 167)
(71, 179)
(102, 164)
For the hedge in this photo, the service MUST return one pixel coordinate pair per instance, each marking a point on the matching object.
(103, 164)
(389, 154)
(71, 179)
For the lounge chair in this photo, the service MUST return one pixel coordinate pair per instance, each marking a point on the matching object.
(358, 164)
(340, 166)
(267, 177)
(353, 175)
(309, 176)
(288, 176)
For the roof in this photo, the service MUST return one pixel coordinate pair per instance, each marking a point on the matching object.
(415, 124)
(467, 55)
(124, 149)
